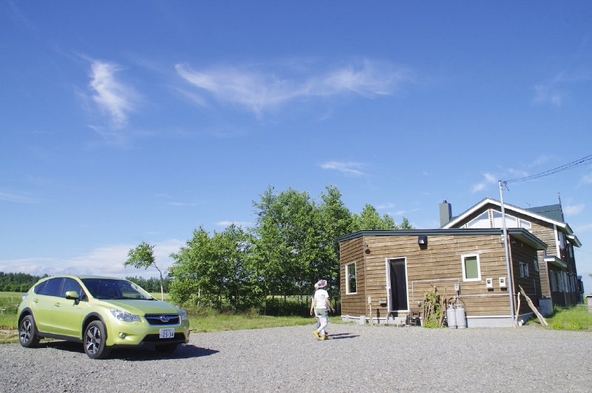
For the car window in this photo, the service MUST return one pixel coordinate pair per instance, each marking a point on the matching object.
(72, 285)
(114, 289)
(52, 288)
(40, 287)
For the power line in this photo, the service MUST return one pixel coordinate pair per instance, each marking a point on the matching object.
(561, 168)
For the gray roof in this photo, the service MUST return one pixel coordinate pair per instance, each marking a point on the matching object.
(554, 212)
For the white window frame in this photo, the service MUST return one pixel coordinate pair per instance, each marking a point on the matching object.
(462, 262)
(348, 290)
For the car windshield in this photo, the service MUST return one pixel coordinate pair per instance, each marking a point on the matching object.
(105, 288)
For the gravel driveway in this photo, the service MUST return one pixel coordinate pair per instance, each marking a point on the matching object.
(356, 359)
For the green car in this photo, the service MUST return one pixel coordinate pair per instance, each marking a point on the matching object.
(101, 313)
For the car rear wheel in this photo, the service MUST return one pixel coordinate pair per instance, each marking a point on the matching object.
(28, 332)
(95, 344)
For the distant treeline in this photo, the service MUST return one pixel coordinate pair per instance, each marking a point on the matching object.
(21, 282)
(17, 282)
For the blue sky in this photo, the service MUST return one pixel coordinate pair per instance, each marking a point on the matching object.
(125, 122)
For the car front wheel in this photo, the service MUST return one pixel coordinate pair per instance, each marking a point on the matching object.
(27, 332)
(95, 344)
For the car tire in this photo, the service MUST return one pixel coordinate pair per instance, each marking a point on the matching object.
(95, 340)
(166, 348)
(28, 332)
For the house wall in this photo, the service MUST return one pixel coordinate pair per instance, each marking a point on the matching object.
(547, 233)
(531, 284)
(438, 267)
(352, 251)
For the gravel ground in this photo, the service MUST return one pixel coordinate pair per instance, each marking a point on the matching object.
(356, 358)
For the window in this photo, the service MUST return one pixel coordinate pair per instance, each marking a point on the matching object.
(52, 288)
(481, 221)
(470, 267)
(553, 277)
(525, 224)
(511, 221)
(524, 269)
(72, 285)
(536, 264)
(350, 278)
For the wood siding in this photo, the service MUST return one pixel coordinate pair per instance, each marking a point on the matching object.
(437, 266)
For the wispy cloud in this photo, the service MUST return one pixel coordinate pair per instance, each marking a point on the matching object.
(548, 94)
(17, 197)
(349, 168)
(586, 179)
(555, 90)
(103, 261)
(259, 90)
(573, 210)
(113, 97)
(242, 224)
(488, 179)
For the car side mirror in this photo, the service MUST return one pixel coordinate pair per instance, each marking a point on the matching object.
(73, 295)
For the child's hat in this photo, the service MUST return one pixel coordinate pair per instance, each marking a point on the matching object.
(321, 284)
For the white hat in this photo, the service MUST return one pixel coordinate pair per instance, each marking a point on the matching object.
(321, 284)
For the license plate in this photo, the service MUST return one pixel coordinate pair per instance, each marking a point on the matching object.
(166, 333)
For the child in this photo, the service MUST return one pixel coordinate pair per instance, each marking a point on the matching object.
(320, 305)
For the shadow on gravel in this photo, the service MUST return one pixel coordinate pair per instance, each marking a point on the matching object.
(186, 351)
(341, 336)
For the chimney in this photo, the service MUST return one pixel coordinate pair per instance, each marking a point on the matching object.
(445, 213)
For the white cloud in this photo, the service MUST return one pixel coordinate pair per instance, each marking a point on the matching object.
(555, 90)
(349, 168)
(17, 197)
(572, 210)
(104, 261)
(242, 224)
(258, 90)
(113, 97)
(547, 94)
(488, 180)
(586, 179)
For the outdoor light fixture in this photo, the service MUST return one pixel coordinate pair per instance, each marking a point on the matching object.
(422, 240)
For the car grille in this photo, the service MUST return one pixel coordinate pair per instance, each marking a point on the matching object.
(162, 319)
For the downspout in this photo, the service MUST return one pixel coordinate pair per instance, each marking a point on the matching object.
(507, 252)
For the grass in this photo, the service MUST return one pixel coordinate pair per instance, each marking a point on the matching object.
(574, 318)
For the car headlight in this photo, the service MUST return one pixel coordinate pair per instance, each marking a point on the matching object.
(183, 315)
(125, 316)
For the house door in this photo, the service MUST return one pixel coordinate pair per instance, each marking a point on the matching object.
(397, 271)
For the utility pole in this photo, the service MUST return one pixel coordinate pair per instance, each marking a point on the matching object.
(507, 251)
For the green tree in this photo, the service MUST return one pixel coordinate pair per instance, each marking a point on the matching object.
(143, 257)
(369, 219)
(336, 221)
(216, 270)
(286, 240)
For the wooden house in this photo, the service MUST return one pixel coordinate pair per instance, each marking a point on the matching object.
(560, 284)
(385, 275)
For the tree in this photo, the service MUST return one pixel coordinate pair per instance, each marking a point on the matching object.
(143, 256)
(216, 270)
(285, 240)
(336, 221)
(369, 219)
